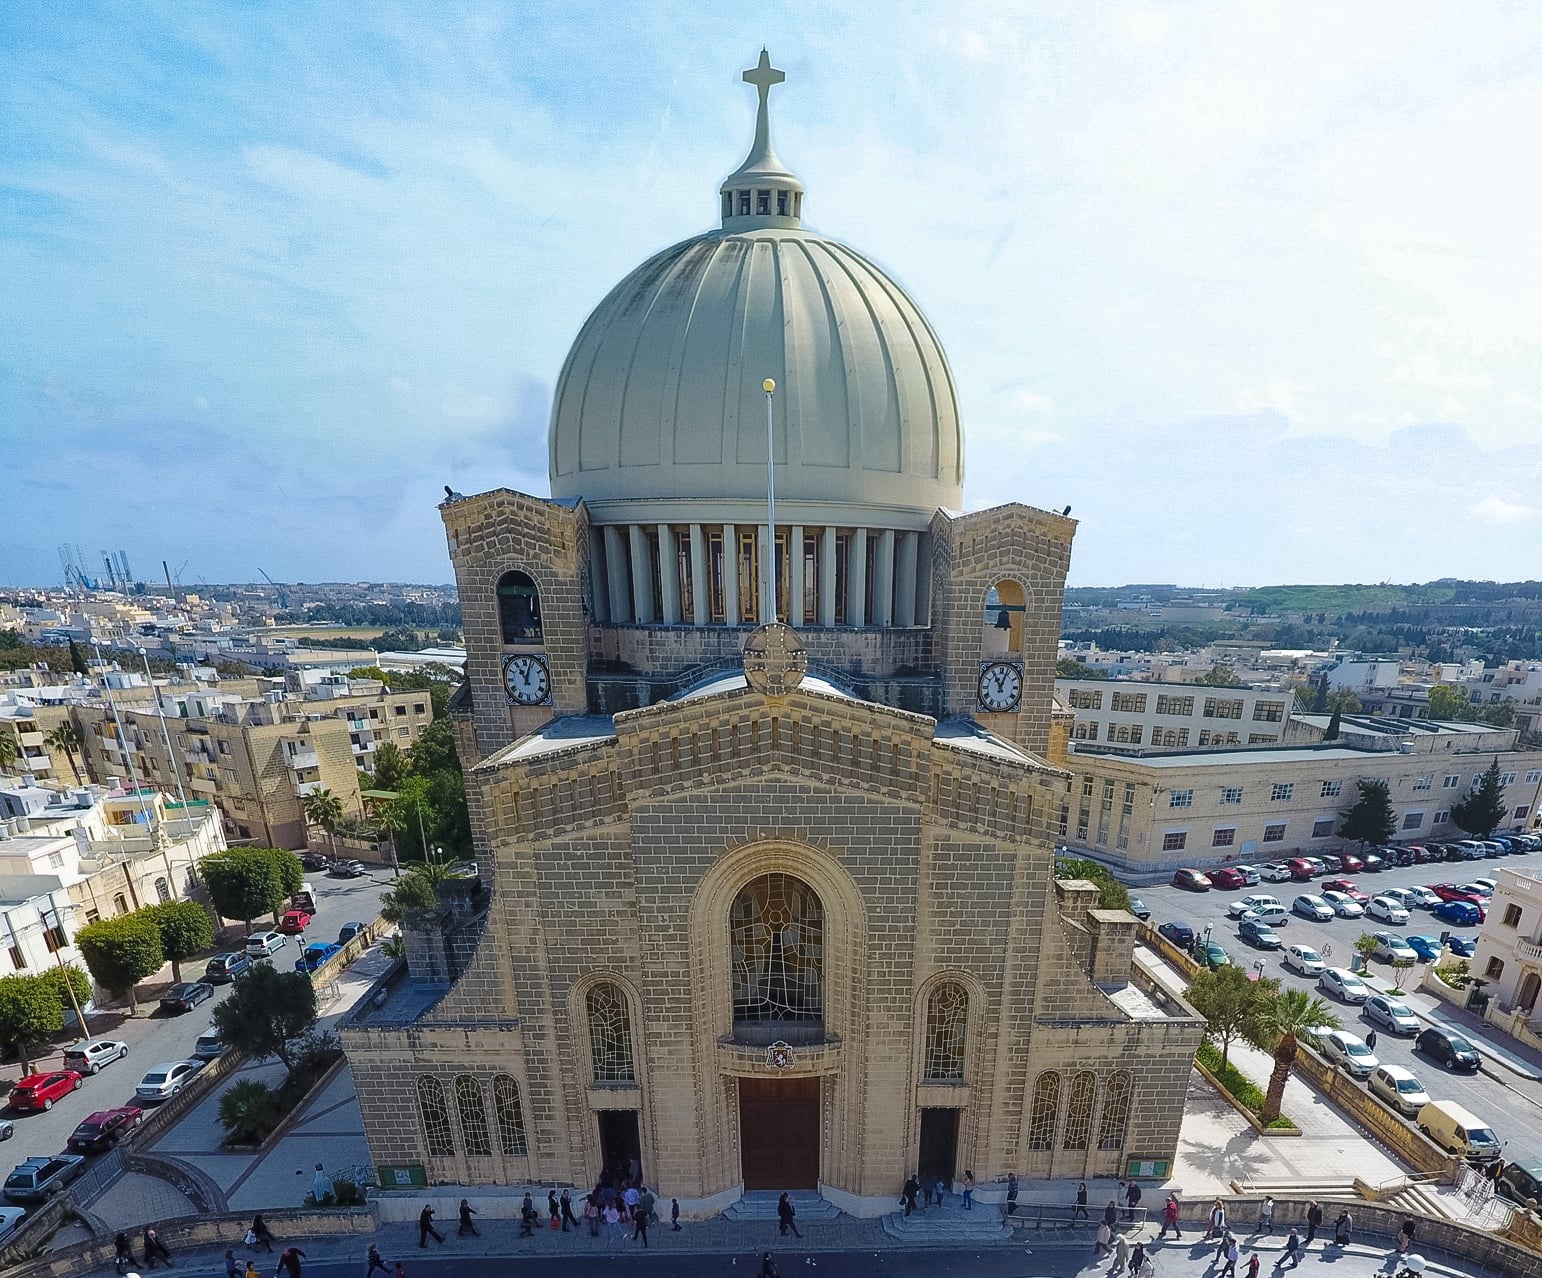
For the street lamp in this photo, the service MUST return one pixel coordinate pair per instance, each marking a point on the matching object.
(56, 934)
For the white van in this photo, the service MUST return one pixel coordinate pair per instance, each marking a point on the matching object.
(1459, 1131)
(304, 899)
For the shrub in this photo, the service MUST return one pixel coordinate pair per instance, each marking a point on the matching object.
(248, 1112)
(1241, 1088)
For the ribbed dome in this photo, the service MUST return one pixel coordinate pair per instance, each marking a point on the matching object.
(661, 394)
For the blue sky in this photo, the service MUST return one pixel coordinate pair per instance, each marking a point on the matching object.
(1252, 287)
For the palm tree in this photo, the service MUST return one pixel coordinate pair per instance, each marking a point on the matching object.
(1275, 1028)
(390, 819)
(66, 737)
(8, 750)
(325, 809)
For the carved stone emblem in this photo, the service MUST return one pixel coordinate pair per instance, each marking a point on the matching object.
(775, 660)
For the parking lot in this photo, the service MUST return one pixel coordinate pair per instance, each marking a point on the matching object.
(1512, 1105)
(154, 1037)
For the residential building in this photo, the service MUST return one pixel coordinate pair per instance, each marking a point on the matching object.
(1174, 716)
(1508, 958)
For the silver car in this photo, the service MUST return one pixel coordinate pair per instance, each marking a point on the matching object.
(89, 1056)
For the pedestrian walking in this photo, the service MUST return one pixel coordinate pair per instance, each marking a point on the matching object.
(674, 1214)
(1405, 1235)
(1011, 1193)
(1138, 1262)
(1266, 1216)
(1313, 1221)
(1111, 1215)
(1131, 1200)
(289, 1262)
(767, 1269)
(375, 1262)
(568, 1218)
(1104, 1242)
(968, 1190)
(426, 1225)
(1370, 1040)
(232, 1265)
(527, 1217)
(1121, 1256)
(1170, 1217)
(251, 1268)
(1253, 1264)
(942, 1191)
(640, 1224)
(1080, 1211)
(592, 1213)
(1217, 1220)
(908, 1194)
(1220, 1250)
(553, 1209)
(786, 1214)
(613, 1227)
(1343, 1228)
(1292, 1251)
(124, 1260)
(1233, 1252)
(155, 1249)
(467, 1226)
(259, 1235)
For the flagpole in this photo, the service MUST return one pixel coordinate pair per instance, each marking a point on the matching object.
(769, 387)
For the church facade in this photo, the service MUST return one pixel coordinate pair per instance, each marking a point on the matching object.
(765, 804)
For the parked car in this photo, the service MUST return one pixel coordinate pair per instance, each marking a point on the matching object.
(1479, 891)
(1400, 1088)
(1462, 946)
(185, 997)
(347, 869)
(1191, 881)
(1390, 1012)
(1456, 1129)
(1180, 934)
(1426, 947)
(1312, 907)
(1402, 896)
(1345, 888)
(10, 1221)
(103, 1129)
(314, 861)
(1301, 870)
(1387, 909)
(1462, 913)
(7, 1129)
(40, 1091)
(262, 944)
(1521, 1181)
(348, 931)
(1350, 863)
(165, 1081)
(90, 1055)
(1227, 877)
(35, 1179)
(1419, 897)
(1254, 901)
(1448, 1048)
(1393, 948)
(1258, 933)
(1330, 861)
(313, 956)
(1456, 892)
(1374, 862)
(223, 968)
(294, 922)
(1343, 984)
(1304, 959)
(1349, 1051)
(1275, 872)
(1425, 854)
(1209, 954)
(210, 1046)
(1401, 855)
(1346, 907)
(1249, 875)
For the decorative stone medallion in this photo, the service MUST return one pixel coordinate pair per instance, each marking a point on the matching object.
(779, 1056)
(775, 660)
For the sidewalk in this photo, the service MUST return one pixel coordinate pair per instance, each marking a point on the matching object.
(1497, 1047)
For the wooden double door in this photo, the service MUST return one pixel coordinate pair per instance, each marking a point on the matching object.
(779, 1132)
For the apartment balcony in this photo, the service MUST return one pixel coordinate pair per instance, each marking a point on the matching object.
(299, 760)
(197, 757)
(367, 747)
(202, 785)
(303, 788)
(31, 739)
(1529, 949)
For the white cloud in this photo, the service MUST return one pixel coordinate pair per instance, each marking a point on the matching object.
(1496, 510)
(1033, 403)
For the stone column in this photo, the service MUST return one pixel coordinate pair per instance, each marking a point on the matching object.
(701, 586)
(616, 576)
(598, 590)
(883, 579)
(795, 572)
(856, 579)
(642, 574)
(827, 578)
(905, 580)
(730, 575)
(669, 575)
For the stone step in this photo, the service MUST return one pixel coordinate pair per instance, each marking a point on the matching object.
(943, 1226)
(760, 1205)
(1418, 1200)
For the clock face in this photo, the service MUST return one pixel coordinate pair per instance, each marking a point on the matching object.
(527, 680)
(1001, 686)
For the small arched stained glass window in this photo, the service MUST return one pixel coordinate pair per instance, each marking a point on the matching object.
(610, 1035)
(1046, 1103)
(473, 1115)
(1078, 1119)
(511, 1116)
(947, 1017)
(434, 1114)
(1116, 1111)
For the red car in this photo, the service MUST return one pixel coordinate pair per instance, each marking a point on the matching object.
(1350, 863)
(294, 922)
(103, 1129)
(1301, 870)
(1191, 880)
(40, 1091)
(1348, 889)
(1453, 892)
(1227, 877)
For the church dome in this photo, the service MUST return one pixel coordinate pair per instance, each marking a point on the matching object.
(661, 396)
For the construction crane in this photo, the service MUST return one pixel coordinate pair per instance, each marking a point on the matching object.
(283, 596)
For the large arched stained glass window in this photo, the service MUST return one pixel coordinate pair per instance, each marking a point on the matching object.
(947, 1019)
(1046, 1102)
(1116, 1111)
(511, 1116)
(1078, 1119)
(776, 938)
(434, 1114)
(610, 1035)
(473, 1115)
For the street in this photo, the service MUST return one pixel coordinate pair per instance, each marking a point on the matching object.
(1510, 1104)
(154, 1038)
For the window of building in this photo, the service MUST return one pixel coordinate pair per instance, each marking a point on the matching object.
(1279, 793)
(1046, 1105)
(1424, 782)
(473, 1116)
(749, 576)
(417, 707)
(1175, 705)
(1441, 817)
(810, 571)
(1262, 738)
(1522, 812)
(744, 203)
(1116, 1111)
(842, 570)
(243, 831)
(1512, 917)
(55, 861)
(1534, 776)
(1174, 840)
(776, 944)
(163, 889)
(1224, 838)
(18, 960)
(1269, 711)
(1495, 968)
(1451, 782)
(1128, 702)
(1332, 789)
(1084, 700)
(1065, 818)
(510, 1115)
(404, 733)
(610, 1035)
(519, 608)
(224, 746)
(1222, 708)
(1078, 1118)
(947, 1014)
(1507, 778)
(1274, 833)
(400, 711)
(763, 203)
(1230, 794)
(120, 904)
(434, 1115)
(1413, 820)
(1323, 827)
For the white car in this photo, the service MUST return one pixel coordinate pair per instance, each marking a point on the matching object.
(262, 944)
(1387, 910)
(1403, 896)
(1249, 875)
(1419, 897)
(1312, 907)
(10, 1218)
(1400, 1088)
(1488, 885)
(1254, 901)
(1342, 983)
(1346, 907)
(1305, 960)
(1393, 948)
(1390, 1013)
(1275, 872)
(1349, 1050)
(165, 1081)
(89, 1056)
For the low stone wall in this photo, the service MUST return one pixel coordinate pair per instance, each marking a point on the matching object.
(166, 1114)
(1154, 940)
(1243, 1109)
(1432, 984)
(39, 1226)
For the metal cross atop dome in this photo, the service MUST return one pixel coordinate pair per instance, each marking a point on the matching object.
(761, 192)
(763, 75)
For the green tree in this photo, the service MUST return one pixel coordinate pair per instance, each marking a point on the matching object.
(77, 659)
(325, 809)
(1275, 1027)
(1112, 894)
(434, 751)
(1483, 808)
(1226, 998)
(1371, 819)
(66, 737)
(63, 981)
(1449, 702)
(121, 952)
(30, 1014)
(1332, 731)
(1219, 676)
(8, 750)
(10, 641)
(266, 1011)
(286, 865)
(1343, 701)
(185, 930)
(243, 883)
(413, 891)
(1365, 945)
(1070, 668)
(247, 1110)
(1499, 714)
(390, 767)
